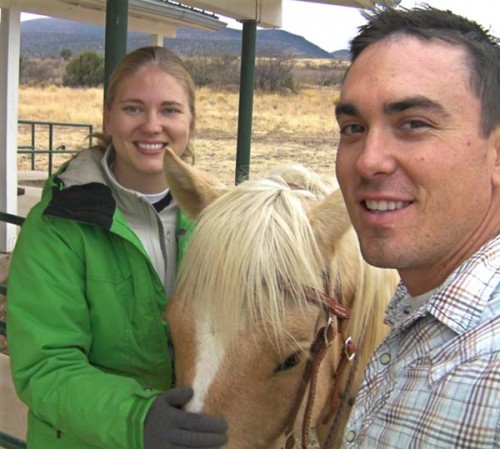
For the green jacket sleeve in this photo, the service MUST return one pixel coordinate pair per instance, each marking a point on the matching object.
(50, 336)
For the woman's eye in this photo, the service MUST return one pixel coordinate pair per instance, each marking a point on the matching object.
(349, 130)
(170, 110)
(132, 109)
(289, 362)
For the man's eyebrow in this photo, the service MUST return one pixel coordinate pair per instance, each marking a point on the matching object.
(417, 102)
(345, 109)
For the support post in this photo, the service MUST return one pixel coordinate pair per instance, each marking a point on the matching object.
(247, 81)
(10, 31)
(115, 46)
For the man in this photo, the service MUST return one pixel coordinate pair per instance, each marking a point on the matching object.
(419, 166)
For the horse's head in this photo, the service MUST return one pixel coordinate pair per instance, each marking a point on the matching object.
(266, 265)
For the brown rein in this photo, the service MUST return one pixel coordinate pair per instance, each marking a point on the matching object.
(325, 336)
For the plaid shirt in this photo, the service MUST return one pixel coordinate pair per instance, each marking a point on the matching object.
(435, 380)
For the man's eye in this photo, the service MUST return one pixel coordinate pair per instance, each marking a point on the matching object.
(415, 125)
(349, 130)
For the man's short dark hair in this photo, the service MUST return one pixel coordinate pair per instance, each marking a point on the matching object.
(428, 23)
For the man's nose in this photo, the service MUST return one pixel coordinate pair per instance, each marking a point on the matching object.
(377, 155)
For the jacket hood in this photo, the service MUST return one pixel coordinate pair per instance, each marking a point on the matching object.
(84, 169)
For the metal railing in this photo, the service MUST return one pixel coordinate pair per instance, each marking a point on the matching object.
(32, 147)
(9, 442)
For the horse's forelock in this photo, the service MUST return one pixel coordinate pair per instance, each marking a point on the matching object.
(246, 244)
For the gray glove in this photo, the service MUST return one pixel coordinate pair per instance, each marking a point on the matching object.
(169, 427)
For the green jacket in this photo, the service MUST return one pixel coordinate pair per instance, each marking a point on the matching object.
(88, 346)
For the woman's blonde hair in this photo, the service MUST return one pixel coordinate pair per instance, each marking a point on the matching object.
(166, 60)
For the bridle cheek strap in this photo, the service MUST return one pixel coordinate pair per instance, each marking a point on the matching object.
(324, 338)
(329, 334)
(347, 356)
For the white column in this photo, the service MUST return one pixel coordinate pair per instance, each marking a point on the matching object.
(156, 40)
(10, 30)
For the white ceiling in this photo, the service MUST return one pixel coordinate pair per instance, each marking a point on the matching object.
(161, 17)
(148, 16)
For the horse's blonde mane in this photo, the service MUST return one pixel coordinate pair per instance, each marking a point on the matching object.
(365, 289)
(256, 241)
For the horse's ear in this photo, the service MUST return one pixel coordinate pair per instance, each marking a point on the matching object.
(193, 189)
(330, 220)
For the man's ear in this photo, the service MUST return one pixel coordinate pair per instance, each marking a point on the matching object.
(495, 147)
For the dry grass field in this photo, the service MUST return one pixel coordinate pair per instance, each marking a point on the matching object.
(294, 128)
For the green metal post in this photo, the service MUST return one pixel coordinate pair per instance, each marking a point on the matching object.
(33, 146)
(247, 81)
(51, 149)
(116, 36)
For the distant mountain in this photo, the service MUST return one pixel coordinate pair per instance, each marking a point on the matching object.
(341, 54)
(43, 38)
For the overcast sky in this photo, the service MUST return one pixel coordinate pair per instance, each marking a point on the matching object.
(331, 27)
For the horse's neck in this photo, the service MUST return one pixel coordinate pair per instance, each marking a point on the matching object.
(366, 290)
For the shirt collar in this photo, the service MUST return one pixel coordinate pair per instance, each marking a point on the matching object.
(460, 301)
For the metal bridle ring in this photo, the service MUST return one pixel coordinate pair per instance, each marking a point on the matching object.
(328, 338)
(349, 354)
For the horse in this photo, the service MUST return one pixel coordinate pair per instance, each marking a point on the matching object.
(274, 313)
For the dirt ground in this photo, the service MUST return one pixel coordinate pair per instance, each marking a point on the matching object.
(268, 151)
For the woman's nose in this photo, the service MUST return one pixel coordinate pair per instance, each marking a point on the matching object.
(152, 123)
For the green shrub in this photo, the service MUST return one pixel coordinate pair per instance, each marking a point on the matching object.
(84, 70)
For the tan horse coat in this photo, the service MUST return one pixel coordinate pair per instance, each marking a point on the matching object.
(241, 327)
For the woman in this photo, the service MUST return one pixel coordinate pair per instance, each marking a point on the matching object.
(91, 272)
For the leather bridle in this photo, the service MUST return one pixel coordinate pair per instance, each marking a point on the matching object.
(336, 315)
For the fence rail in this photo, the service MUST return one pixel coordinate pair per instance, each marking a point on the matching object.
(10, 442)
(51, 151)
(12, 219)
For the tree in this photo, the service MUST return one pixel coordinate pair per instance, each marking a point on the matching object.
(214, 71)
(274, 73)
(65, 54)
(84, 70)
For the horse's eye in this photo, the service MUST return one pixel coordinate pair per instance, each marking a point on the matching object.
(289, 362)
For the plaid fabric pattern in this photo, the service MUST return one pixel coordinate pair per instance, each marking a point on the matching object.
(435, 380)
